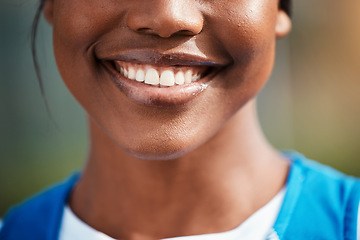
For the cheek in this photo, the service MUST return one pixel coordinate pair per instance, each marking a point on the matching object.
(247, 27)
(247, 33)
(79, 23)
(73, 31)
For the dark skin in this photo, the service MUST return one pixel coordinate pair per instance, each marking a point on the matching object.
(170, 163)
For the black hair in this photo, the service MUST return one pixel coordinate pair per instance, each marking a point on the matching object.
(286, 6)
(33, 34)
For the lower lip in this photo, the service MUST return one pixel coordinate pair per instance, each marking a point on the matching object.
(158, 96)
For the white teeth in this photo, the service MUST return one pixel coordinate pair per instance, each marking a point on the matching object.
(188, 76)
(152, 77)
(167, 78)
(125, 73)
(140, 75)
(132, 73)
(195, 78)
(179, 78)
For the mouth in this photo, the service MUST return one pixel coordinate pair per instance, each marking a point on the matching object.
(161, 80)
(161, 76)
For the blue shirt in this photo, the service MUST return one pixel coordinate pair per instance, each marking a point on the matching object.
(320, 203)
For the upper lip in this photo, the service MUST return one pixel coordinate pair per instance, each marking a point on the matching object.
(152, 57)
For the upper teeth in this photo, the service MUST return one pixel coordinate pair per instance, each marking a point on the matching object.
(163, 77)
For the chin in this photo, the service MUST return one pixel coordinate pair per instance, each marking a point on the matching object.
(161, 151)
(162, 156)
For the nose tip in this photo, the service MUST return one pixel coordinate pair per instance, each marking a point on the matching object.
(166, 18)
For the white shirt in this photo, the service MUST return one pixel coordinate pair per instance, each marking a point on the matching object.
(257, 227)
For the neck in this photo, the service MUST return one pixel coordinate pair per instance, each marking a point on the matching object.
(211, 189)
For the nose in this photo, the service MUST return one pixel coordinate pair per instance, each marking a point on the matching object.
(165, 18)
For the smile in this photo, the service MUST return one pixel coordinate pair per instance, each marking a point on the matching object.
(159, 75)
(156, 79)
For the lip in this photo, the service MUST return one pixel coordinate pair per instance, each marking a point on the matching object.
(161, 96)
(152, 57)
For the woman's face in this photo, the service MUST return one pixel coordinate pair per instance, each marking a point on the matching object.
(210, 57)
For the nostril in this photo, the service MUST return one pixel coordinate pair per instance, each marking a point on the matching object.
(152, 32)
(166, 18)
(146, 31)
(143, 29)
(185, 33)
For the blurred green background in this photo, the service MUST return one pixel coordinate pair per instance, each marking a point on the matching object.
(311, 104)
